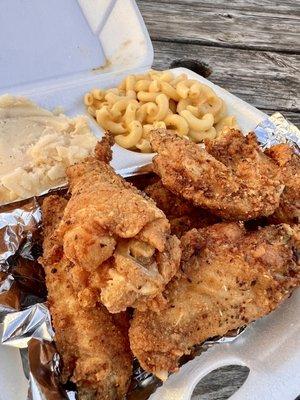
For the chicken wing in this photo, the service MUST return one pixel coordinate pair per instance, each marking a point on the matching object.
(232, 178)
(229, 278)
(95, 351)
(289, 207)
(117, 238)
(181, 213)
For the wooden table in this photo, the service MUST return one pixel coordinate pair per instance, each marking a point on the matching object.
(252, 49)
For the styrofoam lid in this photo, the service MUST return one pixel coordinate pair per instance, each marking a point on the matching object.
(44, 40)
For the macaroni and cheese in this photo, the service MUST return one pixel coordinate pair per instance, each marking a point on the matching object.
(158, 99)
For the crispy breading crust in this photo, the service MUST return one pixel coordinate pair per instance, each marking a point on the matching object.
(181, 213)
(232, 178)
(289, 207)
(117, 238)
(229, 278)
(94, 349)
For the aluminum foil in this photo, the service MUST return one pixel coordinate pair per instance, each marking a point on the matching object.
(23, 311)
(23, 308)
(277, 129)
(18, 224)
(8, 300)
(44, 370)
(20, 327)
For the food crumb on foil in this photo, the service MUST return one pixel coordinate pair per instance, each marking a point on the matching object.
(23, 310)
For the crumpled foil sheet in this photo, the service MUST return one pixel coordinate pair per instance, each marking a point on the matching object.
(6, 306)
(44, 370)
(17, 225)
(33, 322)
(23, 308)
(277, 129)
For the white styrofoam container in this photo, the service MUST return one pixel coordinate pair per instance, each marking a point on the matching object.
(53, 51)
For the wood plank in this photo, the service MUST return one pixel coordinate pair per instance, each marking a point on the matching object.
(221, 383)
(224, 25)
(291, 116)
(266, 80)
(272, 6)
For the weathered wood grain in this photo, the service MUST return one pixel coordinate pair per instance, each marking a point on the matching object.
(272, 6)
(221, 383)
(291, 116)
(223, 24)
(267, 80)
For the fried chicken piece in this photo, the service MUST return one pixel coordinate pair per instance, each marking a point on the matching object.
(94, 349)
(232, 178)
(229, 278)
(168, 202)
(289, 207)
(181, 213)
(142, 181)
(117, 238)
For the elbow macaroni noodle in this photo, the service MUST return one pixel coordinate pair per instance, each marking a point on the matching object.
(157, 99)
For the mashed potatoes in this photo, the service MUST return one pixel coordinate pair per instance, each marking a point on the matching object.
(36, 146)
